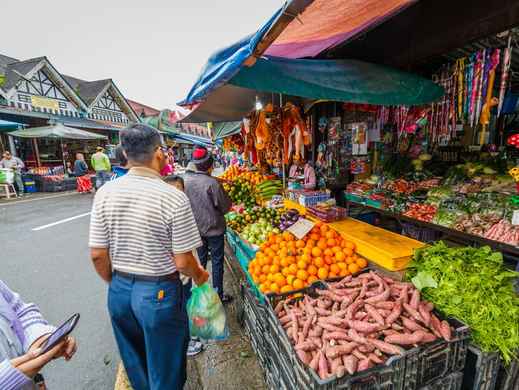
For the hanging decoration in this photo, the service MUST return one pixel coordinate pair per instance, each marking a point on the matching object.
(505, 70)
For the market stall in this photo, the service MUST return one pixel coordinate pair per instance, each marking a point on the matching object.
(49, 175)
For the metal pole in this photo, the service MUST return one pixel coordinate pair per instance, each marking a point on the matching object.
(36, 152)
(63, 157)
(283, 153)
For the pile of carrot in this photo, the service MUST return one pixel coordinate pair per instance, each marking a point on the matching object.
(357, 323)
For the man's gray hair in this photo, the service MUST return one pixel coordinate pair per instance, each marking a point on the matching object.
(140, 141)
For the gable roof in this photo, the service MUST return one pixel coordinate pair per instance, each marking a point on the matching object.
(14, 71)
(142, 109)
(88, 90)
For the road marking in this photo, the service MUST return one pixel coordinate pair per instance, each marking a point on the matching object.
(60, 222)
(15, 202)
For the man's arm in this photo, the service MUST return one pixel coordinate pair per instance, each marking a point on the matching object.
(221, 199)
(102, 263)
(189, 266)
(107, 163)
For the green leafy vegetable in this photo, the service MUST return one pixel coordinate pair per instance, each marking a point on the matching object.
(474, 287)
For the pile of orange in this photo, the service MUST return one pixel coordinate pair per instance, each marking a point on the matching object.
(284, 264)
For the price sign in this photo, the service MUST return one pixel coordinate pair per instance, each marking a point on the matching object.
(515, 217)
(301, 228)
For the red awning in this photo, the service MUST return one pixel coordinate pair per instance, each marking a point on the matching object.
(327, 23)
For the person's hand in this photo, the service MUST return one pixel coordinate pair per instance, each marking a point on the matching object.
(202, 277)
(69, 348)
(33, 361)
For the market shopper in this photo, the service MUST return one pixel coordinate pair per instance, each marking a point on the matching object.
(299, 169)
(80, 165)
(142, 234)
(101, 164)
(16, 165)
(23, 330)
(210, 203)
(124, 166)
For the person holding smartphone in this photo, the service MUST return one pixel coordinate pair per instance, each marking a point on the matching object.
(23, 333)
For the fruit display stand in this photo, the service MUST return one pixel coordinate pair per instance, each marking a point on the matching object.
(387, 249)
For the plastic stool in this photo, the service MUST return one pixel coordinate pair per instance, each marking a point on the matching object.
(8, 190)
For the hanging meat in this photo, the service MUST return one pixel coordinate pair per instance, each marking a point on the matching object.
(295, 133)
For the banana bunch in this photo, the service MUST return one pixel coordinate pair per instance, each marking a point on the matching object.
(267, 189)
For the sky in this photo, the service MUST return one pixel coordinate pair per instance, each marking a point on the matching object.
(153, 50)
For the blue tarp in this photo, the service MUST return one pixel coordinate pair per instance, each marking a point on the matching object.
(192, 139)
(225, 63)
(8, 125)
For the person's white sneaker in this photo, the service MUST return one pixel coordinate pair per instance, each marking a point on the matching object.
(194, 347)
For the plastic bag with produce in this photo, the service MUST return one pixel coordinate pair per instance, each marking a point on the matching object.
(206, 314)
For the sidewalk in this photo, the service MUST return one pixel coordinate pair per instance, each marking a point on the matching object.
(229, 365)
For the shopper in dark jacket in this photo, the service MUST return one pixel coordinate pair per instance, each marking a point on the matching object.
(210, 203)
(80, 166)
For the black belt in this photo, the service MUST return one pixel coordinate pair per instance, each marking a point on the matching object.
(147, 278)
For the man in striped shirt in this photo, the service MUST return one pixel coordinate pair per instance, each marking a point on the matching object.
(142, 234)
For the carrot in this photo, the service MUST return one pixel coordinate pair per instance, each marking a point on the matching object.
(323, 366)
(323, 312)
(385, 305)
(428, 337)
(445, 330)
(436, 326)
(364, 365)
(366, 348)
(404, 295)
(359, 355)
(412, 312)
(350, 363)
(360, 315)
(415, 299)
(375, 359)
(329, 327)
(278, 308)
(424, 313)
(314, 363)
(307, 345)
(316, 331)
(324, 303)
(384, 313)
(363, 327)
(411, 325)
(306, 326)
(352, 309)
(303, 356)
(380, 297)
(336, 336)
(340, 350)
(352, 333)
(403, 339)
(386, 347)
(285, 320)
(334, 365)
(373, 313)
(340, 372)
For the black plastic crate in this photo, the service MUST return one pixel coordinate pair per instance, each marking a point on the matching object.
(417, 368)
(450, 382)
(508, 377)
(481, 369)
(440, 358)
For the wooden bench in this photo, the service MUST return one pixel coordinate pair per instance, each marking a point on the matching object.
(7, 190)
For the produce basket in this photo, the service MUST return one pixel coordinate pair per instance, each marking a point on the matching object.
(486, 371)
(450, 382)
(255, 323)
(416, 368)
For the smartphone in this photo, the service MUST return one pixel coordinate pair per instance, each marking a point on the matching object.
(59, 334)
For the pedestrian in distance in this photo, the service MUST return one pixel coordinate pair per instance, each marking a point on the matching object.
(210, 203)
(84, 184)
(124, 166)
(16, 165)
(142, 235)
(101, 165)
(23, 331)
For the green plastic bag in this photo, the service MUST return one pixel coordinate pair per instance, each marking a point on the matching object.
(206, 314)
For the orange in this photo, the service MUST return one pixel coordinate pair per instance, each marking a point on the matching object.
(302, 264)
(312, 270)
(291, 245)
(322, 244)
(280, 280)
(324, 228)
(315, 236)
(291, 259)
(282, 244)
(328, 260)
(283, 252)
(263, 278)
(275, 248)
(353, 267)
(265, 269)
(264, 246)
(322, 273)
(336, 249)
(344, 244)
(274, 288)
(290, 279)
(261, 261)
(332, 275)
(330, 234)
(328, 252)
(318, 262)
(339, 256)
(361, 262)
(276, 260)
(283, 262)
(274, 269)
(334, 269)
(270, 278)
(257, 269)
(312, 279)
(285, 271)
(331, 242)
(347, 251)
(310, 243)
(306, 258)
(300, 244)
(293, 269)
(255, 279)
(302, 274)
(298, 284)
(344, 272)
(285, 289)
(287, 236)
(342, 265)
(270, 253)
(350, 245)
(316, 252)
(350, 260)
(279, 239)
(318, 224)
(264, 288)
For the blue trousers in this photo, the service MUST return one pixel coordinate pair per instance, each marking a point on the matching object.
(215, 246)
(102, 177)
(152, 333)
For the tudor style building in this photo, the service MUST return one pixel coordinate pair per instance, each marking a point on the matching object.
(33, 91)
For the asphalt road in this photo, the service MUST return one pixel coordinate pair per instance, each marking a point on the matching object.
(51, 267)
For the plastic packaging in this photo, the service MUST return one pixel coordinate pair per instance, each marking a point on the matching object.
(206, 314)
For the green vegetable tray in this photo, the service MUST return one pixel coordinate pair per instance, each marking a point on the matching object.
(354, 198)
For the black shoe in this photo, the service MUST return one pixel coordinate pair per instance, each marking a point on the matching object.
(226, 299)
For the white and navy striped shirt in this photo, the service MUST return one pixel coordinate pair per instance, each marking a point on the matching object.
(143, 221)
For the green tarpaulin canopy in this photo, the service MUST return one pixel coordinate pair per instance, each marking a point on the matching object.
(57, 131)
(222, 130)
(342, 80)
(8, 125)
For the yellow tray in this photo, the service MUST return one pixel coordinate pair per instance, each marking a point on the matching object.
(387, 249)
